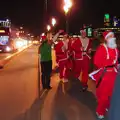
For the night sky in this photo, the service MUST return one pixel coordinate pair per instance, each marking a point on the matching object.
(30, 13)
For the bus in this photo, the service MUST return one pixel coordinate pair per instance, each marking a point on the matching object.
(7, 35)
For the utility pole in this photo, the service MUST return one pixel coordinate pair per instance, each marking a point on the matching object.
(46, 5)
(45, 20)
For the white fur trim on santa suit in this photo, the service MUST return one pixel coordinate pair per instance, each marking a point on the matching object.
(108, 56)
(93, 73)
(110, 33)
(75, 36)
(85, 43)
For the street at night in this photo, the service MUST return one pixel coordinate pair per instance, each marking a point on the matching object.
(19, 93)
(4, 55)
(59, 60)
(18, 84)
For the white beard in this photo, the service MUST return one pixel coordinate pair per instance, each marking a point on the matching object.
(111, 43)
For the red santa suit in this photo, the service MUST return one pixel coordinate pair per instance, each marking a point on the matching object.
(81, 48)
(62, 57)
(76, 49)
(69, 65)
(86, 49)
(105, 57)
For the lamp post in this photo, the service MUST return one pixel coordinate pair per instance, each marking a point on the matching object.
(66, 15)
(46, 5)
(45, 13)
(67, 6)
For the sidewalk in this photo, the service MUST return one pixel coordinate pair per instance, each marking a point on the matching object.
(55, 105)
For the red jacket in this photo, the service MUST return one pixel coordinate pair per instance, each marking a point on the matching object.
(86, 46)
(104, 56)
(76, 48)
(61, 52)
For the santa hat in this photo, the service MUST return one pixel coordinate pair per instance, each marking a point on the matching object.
(74, 36)
(107, 34)
(64, 33)
(43, 37)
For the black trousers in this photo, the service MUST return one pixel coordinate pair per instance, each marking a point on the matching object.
(46, 69)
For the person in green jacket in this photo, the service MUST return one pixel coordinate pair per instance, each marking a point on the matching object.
(45, 53)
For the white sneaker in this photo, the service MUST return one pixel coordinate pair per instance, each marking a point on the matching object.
(100, 116)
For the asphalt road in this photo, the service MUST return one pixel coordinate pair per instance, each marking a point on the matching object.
(4, 55)
(19, 93)
(18, 84)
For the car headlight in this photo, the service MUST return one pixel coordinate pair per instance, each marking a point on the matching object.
(8, 49)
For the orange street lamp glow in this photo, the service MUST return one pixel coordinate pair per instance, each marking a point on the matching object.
(66, 9)
(68, 3)
(48, 27)
(43, 34)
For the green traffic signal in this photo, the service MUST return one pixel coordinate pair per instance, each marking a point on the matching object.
(107, 16)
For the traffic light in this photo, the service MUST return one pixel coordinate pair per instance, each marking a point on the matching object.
(89, 31)
(106, 20)
(107, 16)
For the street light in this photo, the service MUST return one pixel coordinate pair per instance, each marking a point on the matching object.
(21, 28)
(67, 6)
(48, 27)
(66, 9)
(68, 3)
(53, 21)
(43, 34)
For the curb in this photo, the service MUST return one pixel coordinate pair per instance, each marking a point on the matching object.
(4, 61)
